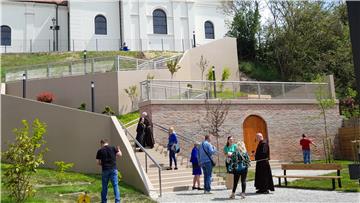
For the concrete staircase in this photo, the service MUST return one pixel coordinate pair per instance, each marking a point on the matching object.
(172, 180)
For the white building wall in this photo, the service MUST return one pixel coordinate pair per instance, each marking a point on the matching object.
(82, 25)
(30, 26)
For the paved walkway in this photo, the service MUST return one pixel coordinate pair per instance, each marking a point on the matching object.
(221, 194)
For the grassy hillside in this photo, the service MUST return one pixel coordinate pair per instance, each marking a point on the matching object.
(22, 59)
(259, 71)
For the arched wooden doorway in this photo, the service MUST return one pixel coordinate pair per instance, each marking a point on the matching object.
(252, 125)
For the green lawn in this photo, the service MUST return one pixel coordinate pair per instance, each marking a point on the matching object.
(347, 184)
(126, 118)
(50, 190)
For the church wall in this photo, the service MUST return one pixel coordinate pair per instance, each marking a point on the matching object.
(82, 26)
(30, 26)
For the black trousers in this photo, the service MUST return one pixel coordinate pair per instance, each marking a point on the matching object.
(243, 181)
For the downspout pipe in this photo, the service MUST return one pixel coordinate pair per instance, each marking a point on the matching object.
(57, 27)
(120, 24)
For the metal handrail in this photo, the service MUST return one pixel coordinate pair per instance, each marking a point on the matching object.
(218, 81)
(136, 143)
(183, 137)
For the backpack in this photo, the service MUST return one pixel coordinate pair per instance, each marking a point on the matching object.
(238, 163)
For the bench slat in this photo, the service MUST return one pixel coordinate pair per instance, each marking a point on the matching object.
(313, 177)
(311, 167)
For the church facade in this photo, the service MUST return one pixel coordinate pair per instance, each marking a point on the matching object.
(75, 25)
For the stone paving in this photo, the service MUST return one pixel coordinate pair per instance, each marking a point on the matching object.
(221, 194)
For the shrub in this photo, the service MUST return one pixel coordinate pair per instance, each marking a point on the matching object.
(25, 155)
(108, 111)
(61, 167)
(47, 97)
(82, 106)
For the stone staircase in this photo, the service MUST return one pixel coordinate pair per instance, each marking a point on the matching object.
(171, 180)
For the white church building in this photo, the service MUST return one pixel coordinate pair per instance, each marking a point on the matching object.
(104, 25)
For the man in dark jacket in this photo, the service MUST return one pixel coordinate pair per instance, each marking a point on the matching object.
(106, 158)
(263, 176)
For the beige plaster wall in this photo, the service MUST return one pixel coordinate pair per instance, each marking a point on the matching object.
(219, 53)
(73, 136)
(73, 90)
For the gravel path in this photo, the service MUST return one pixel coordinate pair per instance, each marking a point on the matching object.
(221, 194)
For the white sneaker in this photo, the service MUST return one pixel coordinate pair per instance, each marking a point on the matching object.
(242, 195)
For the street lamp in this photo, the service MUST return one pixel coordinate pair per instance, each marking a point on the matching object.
(92, 96)
(194, 39)
(53, 28)
(85, 56)
(214, 79)
(24, 85)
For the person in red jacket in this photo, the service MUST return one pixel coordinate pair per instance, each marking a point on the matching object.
(305, 144)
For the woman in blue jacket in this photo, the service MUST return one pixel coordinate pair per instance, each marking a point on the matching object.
(172, 147)
(196, 168)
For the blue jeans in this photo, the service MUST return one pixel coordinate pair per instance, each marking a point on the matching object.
(112, 175)
(207, 169)
(307, 158)
(172, 157)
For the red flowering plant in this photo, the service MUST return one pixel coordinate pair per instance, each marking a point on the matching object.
(47, 97)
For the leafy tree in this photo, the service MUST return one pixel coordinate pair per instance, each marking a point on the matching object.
(173, 66)
(25, 155)
(245, 26)
(350, 108)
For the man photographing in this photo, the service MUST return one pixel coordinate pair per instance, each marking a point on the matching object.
(305, 145)
(106, 158)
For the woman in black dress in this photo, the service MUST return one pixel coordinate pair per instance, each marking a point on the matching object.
(140, 132)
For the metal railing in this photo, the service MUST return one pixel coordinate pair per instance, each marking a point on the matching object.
(250, 90)
(85, 66)
(186, 142)
(136, 143)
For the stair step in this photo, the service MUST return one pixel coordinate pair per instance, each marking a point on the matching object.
(182, 182)
(176, 180)
(184, 187)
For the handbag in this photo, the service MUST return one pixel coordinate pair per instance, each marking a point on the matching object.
(212, 161)
(175, 148)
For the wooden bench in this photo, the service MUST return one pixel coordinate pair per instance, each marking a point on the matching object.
(286, 167)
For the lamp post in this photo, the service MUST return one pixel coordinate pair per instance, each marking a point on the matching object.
(214, 79)
(194, 39)
(53, 28)
(92, 96)
(85, 56)
(24, 85)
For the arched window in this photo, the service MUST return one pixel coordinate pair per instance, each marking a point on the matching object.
(100, 25)
(209, 30)
(5, 35)
(159, 22)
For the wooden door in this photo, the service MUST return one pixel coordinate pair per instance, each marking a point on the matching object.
(252, 125)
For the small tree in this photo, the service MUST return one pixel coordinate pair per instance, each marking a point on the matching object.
(25, 155)
(325, 102)
(224, 76)
(214, 119)
(61, 167)
(132, 94)
(173, 66)
(203, 65)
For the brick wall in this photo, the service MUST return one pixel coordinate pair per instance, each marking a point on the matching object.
(286, 122)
